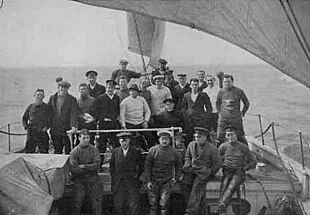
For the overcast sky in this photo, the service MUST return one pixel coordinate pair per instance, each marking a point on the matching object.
(65, 33)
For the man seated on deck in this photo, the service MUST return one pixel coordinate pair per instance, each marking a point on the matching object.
(64, 117)
(228, 105)
(124, 72)
(37, 120)
(126, 165)
(237, 160)
(162, 169)
(85, 162)
(201, 164)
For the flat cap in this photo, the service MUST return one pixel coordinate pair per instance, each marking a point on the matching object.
(58, 79)
(110, 81)
(134, 87)
(201, 131)
(169, 71)
(91, 72)
(164, 132)
(181, 75)
(124, 134)
(123, 61)
(64, 84)
(230, 128)
(163, 61)
(169, 100)
(158, 77)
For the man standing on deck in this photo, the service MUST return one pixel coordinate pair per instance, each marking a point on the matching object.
(107, 109)
(85, 117)
(197, 109)
(162, 168)
(123, 91)
(124, 72)
(160, 70)
(181, 89)
(201, 164)
(36, 120)
(126, 165)
(95, 89)
(237, 160)
(64, 117)
(144, 92)
(201, 78)
(85, 162)
(228, 106)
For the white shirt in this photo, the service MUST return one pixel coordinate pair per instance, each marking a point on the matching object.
(125, 152)
(111, 97)
(194, 96)
(212, 93)
(158, 95)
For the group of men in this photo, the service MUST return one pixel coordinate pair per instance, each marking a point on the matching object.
(199, 107)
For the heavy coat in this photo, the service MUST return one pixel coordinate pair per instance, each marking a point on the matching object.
(97, 91)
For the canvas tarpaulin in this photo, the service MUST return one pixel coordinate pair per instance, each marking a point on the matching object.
(277, 31)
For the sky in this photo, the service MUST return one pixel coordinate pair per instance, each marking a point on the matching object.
(35, 33)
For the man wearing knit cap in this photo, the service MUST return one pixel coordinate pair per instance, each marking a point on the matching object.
(162, 168)
(64, 117)
(201, 164)
(125, 167)
(237, 159)
(95, 89)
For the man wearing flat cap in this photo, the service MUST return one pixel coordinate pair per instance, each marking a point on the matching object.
(162, 169)
(181, 89)
(124, 72)
(160, 70)
(95, 89)
(106, 112)
(237, 159)
(201, 164)
(126, 165)
(64, 117)
(158, 94)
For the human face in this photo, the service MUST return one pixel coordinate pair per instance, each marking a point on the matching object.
(227, 83)
(231, 137)
(164, 140)
(162, 66)
(92, 79)
(194, 86)
(123, 84)
(123, 66)
(84, 139)
(168, 76)
(39, 96)
(200, 138)
(169, 106)
(110, 89)
(145, 83)
(210, 81)
(201, 76)
(134, 93)
(159, 82)
(182, 81)
(84, 91)
(124, 141)
(63, 90)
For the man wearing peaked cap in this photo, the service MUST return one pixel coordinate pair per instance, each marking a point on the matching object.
(162, 61)
(110, 82)
(125, 167)
(123, 71)
(201, 164)
(181, 89)
(162, 169)
(58, 79)
(64, 84)
(95, 89)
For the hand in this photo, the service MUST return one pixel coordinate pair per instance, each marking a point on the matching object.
(150, 185)
(145, 125)
(82, 166)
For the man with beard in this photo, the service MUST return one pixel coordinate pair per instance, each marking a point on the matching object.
(95, 89)
(64, 117)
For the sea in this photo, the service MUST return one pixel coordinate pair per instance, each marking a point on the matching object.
(275, 96)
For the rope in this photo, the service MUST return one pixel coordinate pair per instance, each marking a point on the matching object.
(13, 134)
(1, 4)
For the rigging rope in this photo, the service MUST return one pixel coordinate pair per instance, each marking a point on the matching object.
(1, 4)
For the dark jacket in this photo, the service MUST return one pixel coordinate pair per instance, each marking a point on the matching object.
(169, 119)
(125, 168)
(97, 91)
(201, 87)
(68, 114)
(180, 94)
(104, 107)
